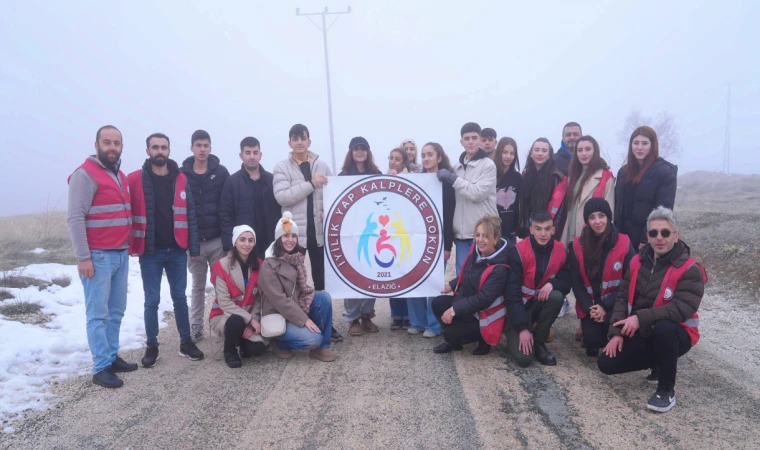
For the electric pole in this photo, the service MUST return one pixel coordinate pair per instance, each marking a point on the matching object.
(727, 138)
(324, 29)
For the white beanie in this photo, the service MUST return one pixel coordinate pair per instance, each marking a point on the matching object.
(240, 229)
(285, 225)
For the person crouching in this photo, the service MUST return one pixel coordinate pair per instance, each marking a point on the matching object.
(285, 290)
(476, 312)
(233, 316)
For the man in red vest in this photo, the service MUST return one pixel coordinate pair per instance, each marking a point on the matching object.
(99, 219)
(536, 290)
(654, 320)
(163, 228)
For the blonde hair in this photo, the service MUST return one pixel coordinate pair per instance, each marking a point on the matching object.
(491, 225)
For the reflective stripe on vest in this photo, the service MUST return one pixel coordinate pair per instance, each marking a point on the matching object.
(612, 276)
(668, 289)
(244, 302)
(558, 196)
(528, 259)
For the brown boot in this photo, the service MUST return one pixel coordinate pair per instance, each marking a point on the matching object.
(281, 353)
(368, 325)
(323, 354)
(579, 334)
(356, 328)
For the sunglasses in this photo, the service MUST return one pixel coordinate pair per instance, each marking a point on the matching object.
(665, 233)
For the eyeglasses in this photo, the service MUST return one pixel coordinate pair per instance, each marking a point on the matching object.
(665, 233)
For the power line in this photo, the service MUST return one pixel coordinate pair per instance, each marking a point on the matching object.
(324, 29)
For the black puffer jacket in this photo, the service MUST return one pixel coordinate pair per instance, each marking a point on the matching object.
(523, 228)
(573, 268)
(518, 317)
(237, 207)
(657, 188)
(194, 245)
(207, 190)
(470, 298)
(686, 298)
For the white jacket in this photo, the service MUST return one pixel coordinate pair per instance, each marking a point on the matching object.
(291, 189)
(475, 190)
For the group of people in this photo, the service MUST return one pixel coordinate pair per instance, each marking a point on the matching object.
(523, 241)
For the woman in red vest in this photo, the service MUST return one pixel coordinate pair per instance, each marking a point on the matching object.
(598, 260)
(588, 177)
(234, 315)
(476, 312)
(543, 188)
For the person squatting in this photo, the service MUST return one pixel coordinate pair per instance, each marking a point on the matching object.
(524, 240)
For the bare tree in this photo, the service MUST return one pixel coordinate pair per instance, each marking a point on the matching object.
(665, 126)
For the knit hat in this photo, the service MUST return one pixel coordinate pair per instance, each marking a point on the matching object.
(408, 140)
(597, 205)
(358, 140)
(285, 225)
(240, 229)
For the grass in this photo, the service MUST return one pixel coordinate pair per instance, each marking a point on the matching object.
(21, 234)
(5, 295)
(20, 281)
(62, 280)
(19, 308)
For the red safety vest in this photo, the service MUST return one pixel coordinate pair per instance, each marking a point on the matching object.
(558, 196)
(528, 259)
(140, 220)
(493, 318)
(599, 191)
(109, 218)
(613, 274)
(667, 290)
(242, 301)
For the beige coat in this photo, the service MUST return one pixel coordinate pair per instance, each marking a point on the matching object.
(475, 190)
(291, 189)
(228, 305)
(587, 193)
(279, 291)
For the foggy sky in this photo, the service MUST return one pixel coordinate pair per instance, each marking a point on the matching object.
(400, 69)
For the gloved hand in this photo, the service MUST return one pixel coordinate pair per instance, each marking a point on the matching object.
(445, 175)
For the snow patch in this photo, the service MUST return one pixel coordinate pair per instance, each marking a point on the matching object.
(38, 251)
(9, 430)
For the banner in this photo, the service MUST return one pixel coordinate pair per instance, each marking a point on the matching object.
(383, 236)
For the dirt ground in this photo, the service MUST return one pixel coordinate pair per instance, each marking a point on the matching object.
(390, 390)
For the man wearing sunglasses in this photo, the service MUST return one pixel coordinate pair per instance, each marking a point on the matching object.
(654, 320)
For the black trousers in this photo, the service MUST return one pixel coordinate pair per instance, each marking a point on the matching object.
(317, 257)
(595, 333)
(233, 337)
(463, 329)
(662, 349)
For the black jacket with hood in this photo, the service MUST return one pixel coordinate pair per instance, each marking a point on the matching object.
(207, 192)
(470, 298)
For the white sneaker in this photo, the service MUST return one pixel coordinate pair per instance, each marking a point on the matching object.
(196, 332)
(412, 330)
(429, 334)
(565, 308)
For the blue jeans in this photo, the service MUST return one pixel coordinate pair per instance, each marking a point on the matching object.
(105, 299)
(174, 261)
(463, 248)
(421, 315)
(357, 307)
(320, 313)
(399, 310)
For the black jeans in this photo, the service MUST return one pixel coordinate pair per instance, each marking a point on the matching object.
(668, 342)
(233, 337)
(463, 329)
(317, 257)
(543, 314)
(595, 333)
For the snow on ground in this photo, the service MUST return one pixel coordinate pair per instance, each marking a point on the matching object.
(33, 356)
(37, 251)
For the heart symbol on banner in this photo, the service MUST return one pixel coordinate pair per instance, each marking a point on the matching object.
(384, 220)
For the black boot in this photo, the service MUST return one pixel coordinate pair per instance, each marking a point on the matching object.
(107, 379)
(544, 356)
(592, 352)
(482, 349)
(446, 348)
(119, 365)
(151, 356)
(232, 359)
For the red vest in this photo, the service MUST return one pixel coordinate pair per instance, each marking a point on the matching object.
(242, 301)
(493, 318)
(558, 196)
(528, 259)
(599, 191)
(667, 289)
(109, 218)
(613, 274)
(140, 221)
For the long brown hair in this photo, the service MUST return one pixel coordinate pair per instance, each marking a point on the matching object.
(349, 165)
(445, 163)
(593, 247)
(633, 170)
(576, 169)
(503, 142)
(537, 185)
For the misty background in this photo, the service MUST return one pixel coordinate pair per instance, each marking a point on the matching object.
(399, 69)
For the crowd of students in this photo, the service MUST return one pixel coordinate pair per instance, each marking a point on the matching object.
(523, 240)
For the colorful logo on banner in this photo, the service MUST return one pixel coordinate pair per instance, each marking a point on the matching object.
(383, 236)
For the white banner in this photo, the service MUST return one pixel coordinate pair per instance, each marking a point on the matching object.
(383, 236)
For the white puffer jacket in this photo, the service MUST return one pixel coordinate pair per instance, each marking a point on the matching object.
(291, 190)
(475, 190)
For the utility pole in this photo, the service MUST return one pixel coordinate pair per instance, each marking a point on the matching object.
(727, 138)
(324, 29)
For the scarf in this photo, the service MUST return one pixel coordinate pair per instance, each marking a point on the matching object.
(562, 148)
(306, 291)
